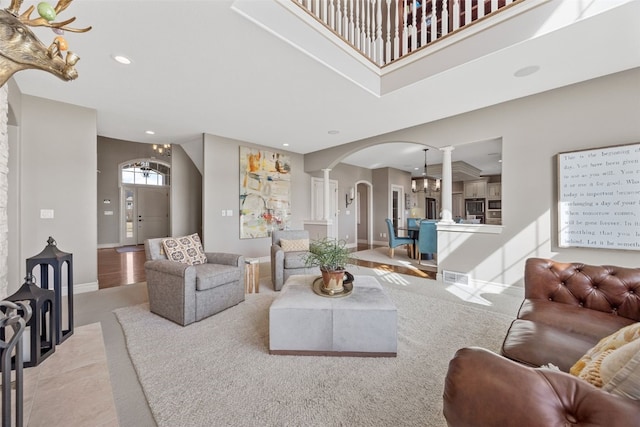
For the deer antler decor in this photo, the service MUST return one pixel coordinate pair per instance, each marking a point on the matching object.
(20, 49)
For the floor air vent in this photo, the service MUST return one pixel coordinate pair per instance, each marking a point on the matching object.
(455, 277)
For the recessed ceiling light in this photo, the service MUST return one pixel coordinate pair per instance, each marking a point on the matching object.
(333, 132)
(122, 59)
(527, 71)
(285, 145)
(149, 132)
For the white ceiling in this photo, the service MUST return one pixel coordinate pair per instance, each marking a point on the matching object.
(199, 67)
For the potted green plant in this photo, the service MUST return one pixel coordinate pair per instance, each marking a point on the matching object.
(331, 256)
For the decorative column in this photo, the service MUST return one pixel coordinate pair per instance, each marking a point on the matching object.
(4, 186)
(327, 195)
(447, 186)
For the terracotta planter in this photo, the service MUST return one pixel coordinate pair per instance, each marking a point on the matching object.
(332, 281)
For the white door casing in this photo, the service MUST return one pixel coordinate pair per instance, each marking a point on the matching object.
(396, 205)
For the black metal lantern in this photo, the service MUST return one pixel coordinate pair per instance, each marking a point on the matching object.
(53, 260)
(11, 320)
(39, 340)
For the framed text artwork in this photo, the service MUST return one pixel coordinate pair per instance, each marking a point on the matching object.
(265, 187)
(599, 198)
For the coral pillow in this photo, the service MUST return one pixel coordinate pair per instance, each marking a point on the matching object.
(185, 249)
(589, 367)
(294, 245)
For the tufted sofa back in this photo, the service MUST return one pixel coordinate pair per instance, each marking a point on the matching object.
(605, 288)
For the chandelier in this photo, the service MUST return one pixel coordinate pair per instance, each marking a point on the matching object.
(162, 150)
(425, 181)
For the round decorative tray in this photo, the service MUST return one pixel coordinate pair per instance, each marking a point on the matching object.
(347, 288)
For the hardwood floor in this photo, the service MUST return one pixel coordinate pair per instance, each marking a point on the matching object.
(390, 267)
(120, 266)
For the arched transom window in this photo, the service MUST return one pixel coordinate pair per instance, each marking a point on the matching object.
(146, 172)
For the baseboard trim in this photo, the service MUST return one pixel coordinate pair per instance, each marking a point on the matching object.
(82, 288)
(108, 245)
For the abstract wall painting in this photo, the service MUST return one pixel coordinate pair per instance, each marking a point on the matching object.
(265, 192)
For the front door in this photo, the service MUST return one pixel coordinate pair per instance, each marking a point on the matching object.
(153, 213)
(145, 214)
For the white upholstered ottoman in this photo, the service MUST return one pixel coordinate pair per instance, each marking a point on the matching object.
(361, 324)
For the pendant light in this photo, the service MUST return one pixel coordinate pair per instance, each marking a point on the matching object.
(424, 172)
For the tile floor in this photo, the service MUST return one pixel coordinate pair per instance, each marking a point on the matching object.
(74, 376)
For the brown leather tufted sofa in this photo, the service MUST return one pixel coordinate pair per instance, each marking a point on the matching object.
(568, 308)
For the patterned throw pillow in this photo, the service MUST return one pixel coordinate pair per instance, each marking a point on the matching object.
(294, 245)
(186, 249)
(589, 365)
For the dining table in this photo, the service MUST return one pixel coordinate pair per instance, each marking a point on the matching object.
(412, 232)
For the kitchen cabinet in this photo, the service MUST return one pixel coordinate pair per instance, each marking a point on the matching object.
(476, 189)
(494, 217)
(494, 191)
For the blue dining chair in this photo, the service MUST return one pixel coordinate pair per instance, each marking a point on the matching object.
(413, 222)
(427, 239)
(394, 240)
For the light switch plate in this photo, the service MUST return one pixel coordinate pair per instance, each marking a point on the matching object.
(46, 213)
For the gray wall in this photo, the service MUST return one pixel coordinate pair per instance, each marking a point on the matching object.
(112, 152)
(56, 164)
(186, 188)
(221, 190)
(383, 179)
(186, 194)
(53, 159)
(534, 129)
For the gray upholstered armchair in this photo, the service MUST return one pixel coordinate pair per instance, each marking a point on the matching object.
(188, 293)
(285, 263)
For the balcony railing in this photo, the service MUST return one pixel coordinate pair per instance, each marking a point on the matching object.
(387, 30)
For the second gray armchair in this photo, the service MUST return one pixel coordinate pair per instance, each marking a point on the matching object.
(287, 256)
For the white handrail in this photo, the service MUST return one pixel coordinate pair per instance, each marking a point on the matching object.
(386, 30)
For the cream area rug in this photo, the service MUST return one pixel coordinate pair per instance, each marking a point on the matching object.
(218, 372)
